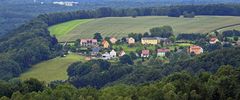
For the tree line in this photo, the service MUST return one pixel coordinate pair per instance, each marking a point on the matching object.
(172, 11)
(224, 84)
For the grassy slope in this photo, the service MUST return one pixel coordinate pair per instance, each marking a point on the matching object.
(121, 26)
(61, 30)
(230, 28)
(50, 70)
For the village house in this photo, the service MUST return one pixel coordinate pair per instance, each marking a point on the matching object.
(162, 52)
(237, 43)
(106, 56)
(145, 53)
(195, 49)
(149, 40)
(131, 40)
(95, 50)
(113, 40)
(121, 53)
(213, 40)
(113, 54)
(88, 42)
(164, 41)
(105, 44)
(88, 58)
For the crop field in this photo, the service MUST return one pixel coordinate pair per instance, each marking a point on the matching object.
(55, 69)
(121, 26)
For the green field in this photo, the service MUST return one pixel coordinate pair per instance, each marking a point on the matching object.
(61, 30)
(50, 70)
(121, 26)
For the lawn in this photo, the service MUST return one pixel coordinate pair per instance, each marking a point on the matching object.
(61, 30)
(54, 69)
(121, 26)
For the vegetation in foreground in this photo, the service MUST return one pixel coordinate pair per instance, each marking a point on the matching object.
(222, 85)
(54, 69)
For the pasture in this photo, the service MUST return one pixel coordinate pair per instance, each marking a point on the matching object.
(54, 69)
(121, 26)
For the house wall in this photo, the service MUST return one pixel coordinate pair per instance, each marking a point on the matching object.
(161, 54)
(154, 42)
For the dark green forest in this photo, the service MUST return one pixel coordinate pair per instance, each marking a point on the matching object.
(222, 85)
(213, 75)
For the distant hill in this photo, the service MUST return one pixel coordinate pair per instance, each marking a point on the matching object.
(164, 2)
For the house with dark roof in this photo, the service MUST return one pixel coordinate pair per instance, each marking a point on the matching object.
(95, 50)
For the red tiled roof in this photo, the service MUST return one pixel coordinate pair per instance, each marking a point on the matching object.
(104, 41)
(145, 52)
(163, 50)
(89, 40)
(195, 47)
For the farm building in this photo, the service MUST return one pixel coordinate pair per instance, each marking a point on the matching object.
(88, 42)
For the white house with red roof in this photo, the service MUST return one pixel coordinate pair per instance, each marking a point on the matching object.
(162, 52)
(88, 42)
(213, 40)
(145, 53)
(195, 49)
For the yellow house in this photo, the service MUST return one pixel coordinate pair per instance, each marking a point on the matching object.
(149, 40)
(105, 44)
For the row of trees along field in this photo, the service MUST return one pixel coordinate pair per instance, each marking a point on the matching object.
(222, 85)
(172, 11)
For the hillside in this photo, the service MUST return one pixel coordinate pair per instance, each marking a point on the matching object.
(54, 69)
(121, 26)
